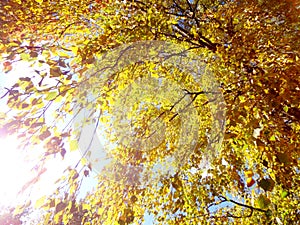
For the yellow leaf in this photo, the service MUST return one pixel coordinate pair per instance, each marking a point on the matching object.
(242, 99)
(18, 210)
(155, 74)
(66, 218)
(39, 1)
(86, 206)
(249, 173)
(58, 99)
(100, 211)
(40, 202)
(250, 181)
(25, 56)
(273, 138)
(63, 54)
(3, 115)
(84, 161)
(74, 49)
(47, 218)
(51, 95)
(73, 145)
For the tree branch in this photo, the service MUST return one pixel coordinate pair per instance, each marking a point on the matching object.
(241, 204)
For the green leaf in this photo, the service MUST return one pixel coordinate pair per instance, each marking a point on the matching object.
(284, 193)
(263, 202)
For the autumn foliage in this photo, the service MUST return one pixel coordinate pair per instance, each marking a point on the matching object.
(252, 48)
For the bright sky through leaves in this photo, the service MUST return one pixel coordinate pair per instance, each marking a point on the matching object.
(250, 46)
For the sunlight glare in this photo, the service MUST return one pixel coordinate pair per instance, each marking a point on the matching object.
(14, 170)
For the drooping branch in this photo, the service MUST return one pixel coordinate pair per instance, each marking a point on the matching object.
(228, 214)
(224, 199)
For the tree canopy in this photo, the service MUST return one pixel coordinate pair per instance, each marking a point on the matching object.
(249, 175)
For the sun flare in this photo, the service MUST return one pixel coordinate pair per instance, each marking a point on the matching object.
(14, 170)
